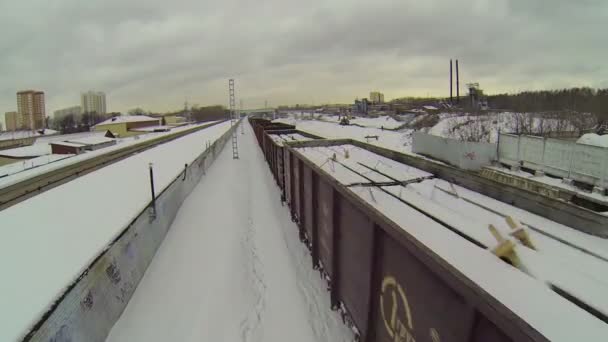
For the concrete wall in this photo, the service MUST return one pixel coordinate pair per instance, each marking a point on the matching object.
(465, 155)
(584, 163)
(89, 308)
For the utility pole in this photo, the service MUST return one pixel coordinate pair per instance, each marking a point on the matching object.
(233, 120)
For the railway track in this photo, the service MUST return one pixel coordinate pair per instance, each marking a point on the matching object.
(18, 192)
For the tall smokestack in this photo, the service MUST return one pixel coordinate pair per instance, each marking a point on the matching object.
(451, 82)
(457, 84)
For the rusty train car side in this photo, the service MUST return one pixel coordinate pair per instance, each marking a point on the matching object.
(389, 285)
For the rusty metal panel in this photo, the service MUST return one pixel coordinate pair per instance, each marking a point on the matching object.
(412, 303)
(297, 199)
(308, 201)
(288, 176)
(487, 331)
(280, 167)
(354, 261)
(287, 156)
(325, 221)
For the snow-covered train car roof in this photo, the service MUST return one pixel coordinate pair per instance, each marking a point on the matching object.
(563, 259)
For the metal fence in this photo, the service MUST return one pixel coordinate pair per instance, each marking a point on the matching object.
(584, 163)
(462, 154)
(90, 306)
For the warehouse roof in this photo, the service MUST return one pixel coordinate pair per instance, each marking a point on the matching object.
(127, 118)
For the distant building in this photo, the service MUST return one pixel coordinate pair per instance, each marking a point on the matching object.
(76, 111)
(31, 109)
(361, 106)
(93, 102)
(376, 97)
(12, 121)
(122, 126)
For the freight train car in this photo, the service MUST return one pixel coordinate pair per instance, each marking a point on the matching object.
(400, 267)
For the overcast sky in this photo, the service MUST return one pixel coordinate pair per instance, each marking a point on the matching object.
(156, 53)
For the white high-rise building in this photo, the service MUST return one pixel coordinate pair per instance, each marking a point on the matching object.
(93, 102)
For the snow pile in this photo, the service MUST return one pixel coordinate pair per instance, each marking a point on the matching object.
(593, 139)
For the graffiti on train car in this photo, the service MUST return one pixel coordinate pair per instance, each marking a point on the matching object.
(395, 310)
(397, 314)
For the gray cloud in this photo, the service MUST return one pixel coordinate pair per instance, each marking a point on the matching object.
(154, 54)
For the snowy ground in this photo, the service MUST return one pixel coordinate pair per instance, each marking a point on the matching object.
(49, 239)
(231, 267)
(17, 172)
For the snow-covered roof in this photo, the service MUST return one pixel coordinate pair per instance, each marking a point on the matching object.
(34, 150)
(65, 143)
(152, 128)
(25, 134)
(127, 118)
(594, 139)
(92, 140)
(581, 274)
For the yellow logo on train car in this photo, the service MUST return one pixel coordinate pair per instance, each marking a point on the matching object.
(396, 313)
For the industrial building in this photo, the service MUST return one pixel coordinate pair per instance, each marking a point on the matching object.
(122, 126)
(77, 146)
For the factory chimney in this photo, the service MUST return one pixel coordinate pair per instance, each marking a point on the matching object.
(451, 82)
(457, 84)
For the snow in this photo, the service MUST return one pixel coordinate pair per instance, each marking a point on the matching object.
(593, 139)
(232, 268)
(152, 128)
(34, 150)
(91, 140)
(430, 107)
(281, 138)
(359, 160)
(121, 143)
(384, 121)
(20, 166)
(398, 141)
(10, 135)
(553, 182)
(43, 250)
(127, 118)
(67, 143)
